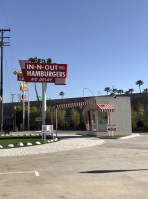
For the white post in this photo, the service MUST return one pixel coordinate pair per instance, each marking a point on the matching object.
(28, 109)
(43, 102)
(108, 117)
(97, 125)
(44, 137)
(56, 122)
(23, 108)
(112, 133)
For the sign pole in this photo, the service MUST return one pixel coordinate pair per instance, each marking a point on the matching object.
(56, 122)
(44, 85)
(111, 128)
(23, 108)
(28, 109)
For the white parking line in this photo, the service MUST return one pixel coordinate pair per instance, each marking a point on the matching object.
(20, 172)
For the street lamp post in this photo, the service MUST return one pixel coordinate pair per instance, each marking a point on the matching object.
(89, 91)
(99, 93)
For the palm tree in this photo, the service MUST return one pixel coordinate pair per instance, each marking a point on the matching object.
(61, 94)
(107, 89)
(114, 90)
(139, 83)
(145, 90)
(120, 91)
(49, 61)
(131, 90)
(127, 92)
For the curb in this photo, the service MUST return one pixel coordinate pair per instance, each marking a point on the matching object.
(130, 136)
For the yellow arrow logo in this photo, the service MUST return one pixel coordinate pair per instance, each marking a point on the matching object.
(17, 72)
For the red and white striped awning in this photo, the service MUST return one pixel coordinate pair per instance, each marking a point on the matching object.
(71, 105)
(105, 107)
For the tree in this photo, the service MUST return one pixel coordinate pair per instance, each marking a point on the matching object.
(48, 112)
(83, 121)
(75, 118)
(120, 91)
(19, 112)
(61, 94)
(131, 90)
(127, 92)
(139, 83)
(141, 114)
(61, 118)
(34, 112)
(145, 90)
(107, 89)
(140, 117)
(145, 119)
(114, 90)
(134, 119)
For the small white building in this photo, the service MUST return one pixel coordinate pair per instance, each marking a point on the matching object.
(105, 114)
(108, 111)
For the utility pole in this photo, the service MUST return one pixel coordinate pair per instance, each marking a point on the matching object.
(12, 97)
(2, 44)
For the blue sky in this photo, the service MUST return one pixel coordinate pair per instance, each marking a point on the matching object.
(104, 42)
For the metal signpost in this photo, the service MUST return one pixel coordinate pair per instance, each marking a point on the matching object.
(28, 109)
(47, 129)
(56, 122)
(24, 88)
(111, 128)
(23, 108)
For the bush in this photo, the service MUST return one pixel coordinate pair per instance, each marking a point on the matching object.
(75, 118)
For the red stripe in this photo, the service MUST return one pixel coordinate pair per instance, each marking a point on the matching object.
(76, 104)
(105, 108)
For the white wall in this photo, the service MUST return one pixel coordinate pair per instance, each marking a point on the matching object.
(122, 114)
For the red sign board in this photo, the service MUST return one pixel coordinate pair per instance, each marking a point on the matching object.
(44, 72)
(111, 127)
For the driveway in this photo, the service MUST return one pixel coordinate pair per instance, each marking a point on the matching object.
(118, 169)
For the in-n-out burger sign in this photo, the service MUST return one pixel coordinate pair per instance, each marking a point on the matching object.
(44, 72)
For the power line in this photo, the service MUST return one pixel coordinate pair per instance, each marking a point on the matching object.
(8, 85)
(2, 44)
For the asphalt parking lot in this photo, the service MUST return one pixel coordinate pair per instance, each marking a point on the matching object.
(116, 169)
